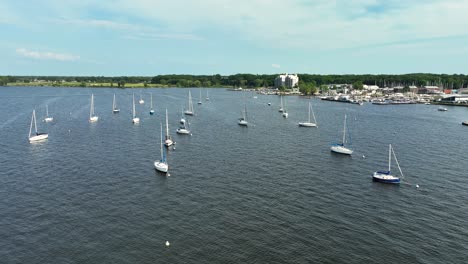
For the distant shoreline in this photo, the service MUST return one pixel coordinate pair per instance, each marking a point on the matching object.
(100, 85)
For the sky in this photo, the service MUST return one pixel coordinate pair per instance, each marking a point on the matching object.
(153, 37)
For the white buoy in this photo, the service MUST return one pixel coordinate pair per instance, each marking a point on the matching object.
(167, 243)
(417, 185)
(363, 156)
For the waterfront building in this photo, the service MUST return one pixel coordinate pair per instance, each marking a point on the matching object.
(289, 81)
(455, 99)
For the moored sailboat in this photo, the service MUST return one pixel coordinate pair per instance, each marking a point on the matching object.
(340, 147)
(151, 107)
(115, 109)
(386, 176)
(184, 128)
(135, 119)
(161, 165)
(189, 110)
(200, 101)
(36, 136)
(309, 123)
(92, 116)
(281, 109)
(285, 111)
(141, 101)
(168, 139)
(243, 120)
(48, 118)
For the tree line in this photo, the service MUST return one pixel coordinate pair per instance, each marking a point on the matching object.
(311, 81)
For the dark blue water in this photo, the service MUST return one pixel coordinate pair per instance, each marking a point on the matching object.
(269, 193)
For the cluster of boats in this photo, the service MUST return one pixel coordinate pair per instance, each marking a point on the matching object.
(166, 140)
(340, 148)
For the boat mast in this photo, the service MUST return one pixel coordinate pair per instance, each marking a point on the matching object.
(162, 154)
(151, 101)
(189, 102)
(396, 160)
(47, 110)
(313, 114)
(30, 126)
(245, 112)
(113, 103)
(35, 124)
(344, 130)
(309, 112)
(167, 125)
(91, 107)
(389, 156)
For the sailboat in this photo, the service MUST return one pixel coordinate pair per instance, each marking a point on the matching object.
(115, 110)
(243, 120)
(285, 112)
(184, 128)
(200, 101)
(207, 98)
(36, 136)
(189, 111)
(92, 116)
(308, 123)
(161, 165)
(167, 139)
(141, 100)
(48, 118)
(281, 109)
(386, 176)
(340, 148)
(151, 107)
(135, 119)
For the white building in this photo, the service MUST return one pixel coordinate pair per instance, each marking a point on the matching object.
(287, 80)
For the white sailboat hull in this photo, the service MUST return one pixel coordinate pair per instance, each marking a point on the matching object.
(116, 111)
(168, 142)
(141, 101)
(385, 178)
(243, 123)
(341, 150)
(307, 124)
(281, 110)
(161, 166)
(93, 119)
(38, 137)
(188, 112)
(136, 120)
(48, 119)
(183, 131)
(182, 121)
(285, 115)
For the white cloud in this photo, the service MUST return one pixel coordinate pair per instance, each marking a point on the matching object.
(311, 25)
(47, 55)
(277, 24)
(132, 31)
(275, 65)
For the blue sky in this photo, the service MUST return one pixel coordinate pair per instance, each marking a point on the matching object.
(151, 37)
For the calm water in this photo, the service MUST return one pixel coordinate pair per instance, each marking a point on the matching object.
(269, 193)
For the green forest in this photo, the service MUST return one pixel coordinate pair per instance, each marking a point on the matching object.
(237, 80)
